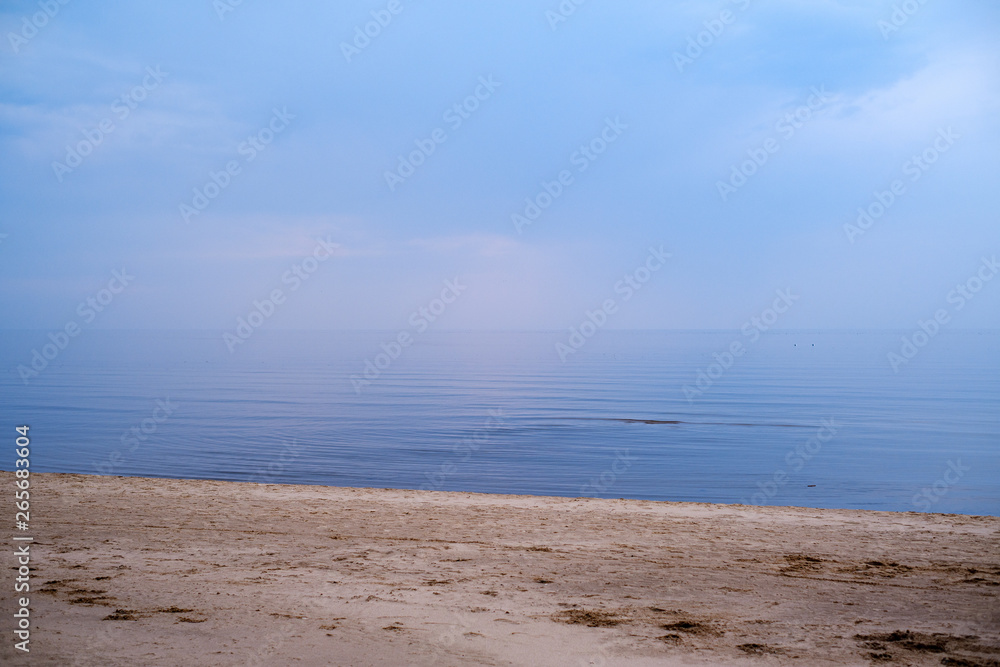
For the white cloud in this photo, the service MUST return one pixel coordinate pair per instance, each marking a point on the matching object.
(951, 90)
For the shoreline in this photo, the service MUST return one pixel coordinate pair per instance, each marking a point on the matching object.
(134, 570)
(306, 485)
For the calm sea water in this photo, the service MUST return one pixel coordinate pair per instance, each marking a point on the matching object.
(814, 419)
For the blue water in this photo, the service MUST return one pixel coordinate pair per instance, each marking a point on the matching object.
(500, 412)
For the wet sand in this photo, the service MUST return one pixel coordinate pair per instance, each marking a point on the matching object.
(134, 571)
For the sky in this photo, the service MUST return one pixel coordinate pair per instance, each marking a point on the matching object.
(740, 138)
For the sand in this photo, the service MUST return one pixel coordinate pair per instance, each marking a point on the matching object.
(135, 571)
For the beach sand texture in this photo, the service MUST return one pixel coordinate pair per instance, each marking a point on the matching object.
(136, 571)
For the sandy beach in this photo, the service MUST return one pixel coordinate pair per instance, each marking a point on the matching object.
(135, 571)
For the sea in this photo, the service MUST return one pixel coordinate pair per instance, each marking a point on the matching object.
(819, 419)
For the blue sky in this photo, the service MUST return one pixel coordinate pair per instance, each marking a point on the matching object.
(323, 175)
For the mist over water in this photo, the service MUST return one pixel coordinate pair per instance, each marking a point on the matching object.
(815, 419)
